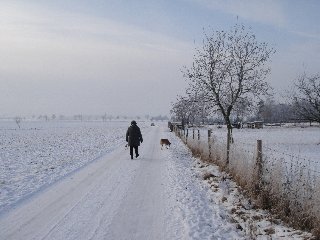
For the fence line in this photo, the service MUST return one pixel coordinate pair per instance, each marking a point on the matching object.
(290, 187)
(266, 149)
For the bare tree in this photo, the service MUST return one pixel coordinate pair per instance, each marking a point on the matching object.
(110, 117)
(18, 121)
(270, 111)
(180, 110)
(230, 68)
(306, 97)
(199, 108)
(239, 111)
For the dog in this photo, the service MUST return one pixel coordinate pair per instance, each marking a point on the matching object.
(164, 141)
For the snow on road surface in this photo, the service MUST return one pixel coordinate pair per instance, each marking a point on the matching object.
(153, 197)
(40, 153)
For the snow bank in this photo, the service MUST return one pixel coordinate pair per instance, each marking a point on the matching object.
(202, 218)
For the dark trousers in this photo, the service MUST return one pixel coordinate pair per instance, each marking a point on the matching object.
(135, 149)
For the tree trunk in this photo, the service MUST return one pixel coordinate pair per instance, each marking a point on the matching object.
(229, 141)
(229, 138)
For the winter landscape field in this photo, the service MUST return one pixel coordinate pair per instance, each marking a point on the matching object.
(201, 76)
(297, 145)
(299, 142)
(40, 152)
(77, 178)
(287, 176)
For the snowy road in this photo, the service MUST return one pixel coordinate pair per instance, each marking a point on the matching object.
(113, 198)
(117, 198)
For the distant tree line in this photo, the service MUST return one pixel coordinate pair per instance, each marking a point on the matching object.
(302, 104)
(159, 118)
(84, 117)
(305, 97)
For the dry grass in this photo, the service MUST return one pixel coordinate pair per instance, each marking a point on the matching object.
(207, 176)
(288, 191)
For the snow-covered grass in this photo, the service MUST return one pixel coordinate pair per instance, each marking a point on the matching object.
(227, 198)
(290, 179)
(252, 222)
(40, 153)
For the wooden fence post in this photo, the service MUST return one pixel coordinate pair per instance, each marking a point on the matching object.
(259, 165)
(198, 134)
(259, 155)
(193, 134)
(209, 143)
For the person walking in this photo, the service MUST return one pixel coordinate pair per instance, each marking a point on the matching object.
(134, 137)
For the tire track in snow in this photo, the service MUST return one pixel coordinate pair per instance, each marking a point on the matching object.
(142, 214)
(96, 210)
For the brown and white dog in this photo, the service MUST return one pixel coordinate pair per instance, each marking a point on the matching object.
(164, 141)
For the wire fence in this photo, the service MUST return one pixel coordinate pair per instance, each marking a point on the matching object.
(285, 183)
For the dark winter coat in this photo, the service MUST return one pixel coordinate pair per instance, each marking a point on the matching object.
(133, 136)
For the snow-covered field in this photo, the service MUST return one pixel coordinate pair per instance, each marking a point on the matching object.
(40, 153)
(164, 194)
(303, 143)
(157, 196)
(290, 162)
(299, 146)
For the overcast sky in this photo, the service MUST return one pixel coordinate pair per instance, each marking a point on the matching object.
(124, 57)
